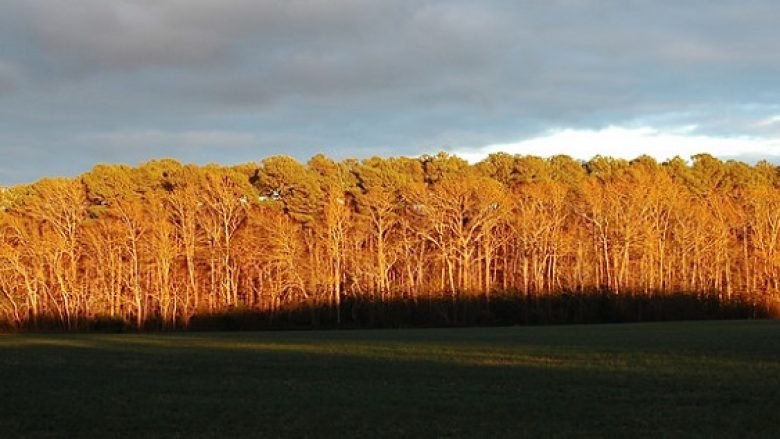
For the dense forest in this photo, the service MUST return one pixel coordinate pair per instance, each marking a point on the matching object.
(166, 245)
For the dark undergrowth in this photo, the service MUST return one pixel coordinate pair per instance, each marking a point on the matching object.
(500, 309)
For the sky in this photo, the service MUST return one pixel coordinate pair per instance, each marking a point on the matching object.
(232, 81)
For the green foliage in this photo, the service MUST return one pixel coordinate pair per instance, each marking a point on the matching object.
(283, 179)
(436, 167)
(605, 168)
(566, 170)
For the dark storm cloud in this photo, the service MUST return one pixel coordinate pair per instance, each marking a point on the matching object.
(93, 80)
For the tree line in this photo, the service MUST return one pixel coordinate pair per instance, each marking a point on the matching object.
(164, 243)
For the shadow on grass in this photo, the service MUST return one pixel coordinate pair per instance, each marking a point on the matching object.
(500, 382)
(547, 347)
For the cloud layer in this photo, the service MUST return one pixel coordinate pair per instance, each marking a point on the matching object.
(629, 143)
(88, 80)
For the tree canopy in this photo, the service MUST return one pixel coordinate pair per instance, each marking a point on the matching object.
(165, 241)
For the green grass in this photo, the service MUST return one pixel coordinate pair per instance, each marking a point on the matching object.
(693, 379)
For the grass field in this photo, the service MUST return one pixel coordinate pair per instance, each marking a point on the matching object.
(692, 379)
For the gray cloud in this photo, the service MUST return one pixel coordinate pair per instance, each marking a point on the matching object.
(239, 79)
(7, 77)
